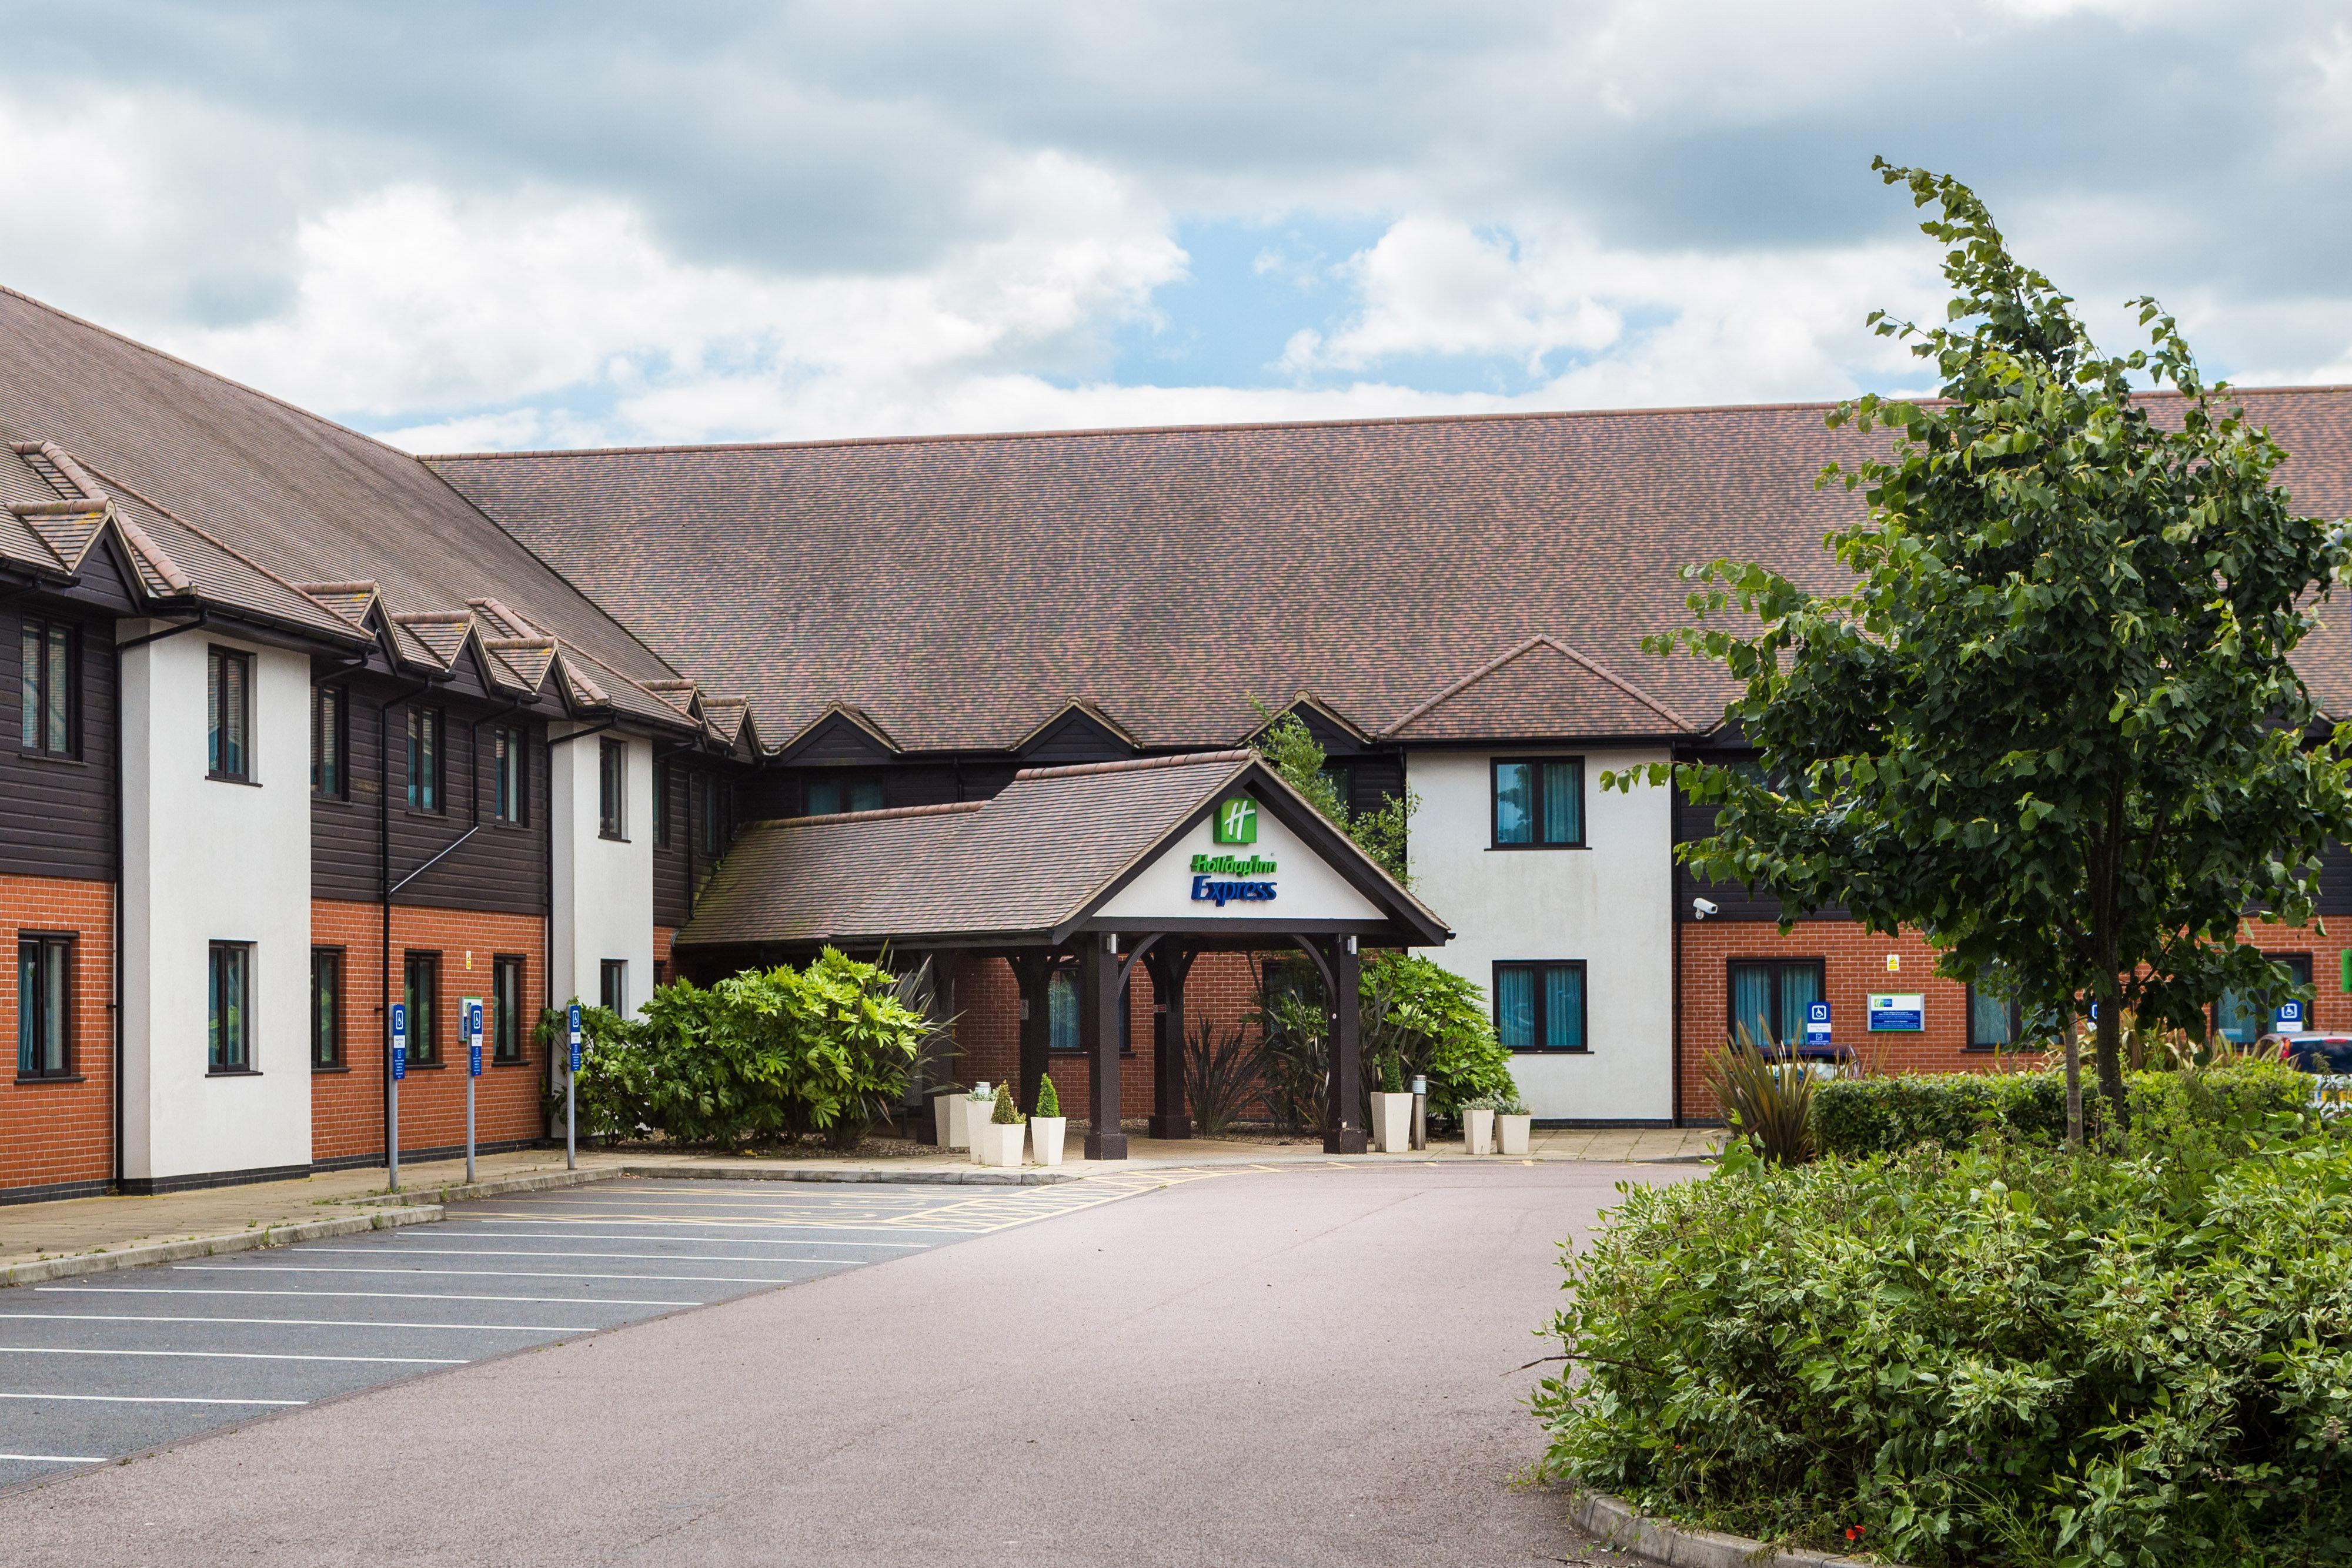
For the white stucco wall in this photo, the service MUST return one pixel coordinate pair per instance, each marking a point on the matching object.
(1610, 905)
(207, 861)
(603, 887)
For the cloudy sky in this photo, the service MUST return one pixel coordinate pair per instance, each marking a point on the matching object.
(527, 225)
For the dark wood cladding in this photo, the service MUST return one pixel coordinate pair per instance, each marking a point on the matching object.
(674, 862)
(56, 814)
(501, 868)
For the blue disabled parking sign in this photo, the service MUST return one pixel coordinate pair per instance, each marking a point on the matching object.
(399, 1041)
(474, 1039)
(2290, 1014)
(1817, 1023)
(571, 1019)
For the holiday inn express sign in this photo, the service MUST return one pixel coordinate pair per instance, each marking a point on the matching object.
(1240, 863)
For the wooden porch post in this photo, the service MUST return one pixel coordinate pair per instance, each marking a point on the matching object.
(1099, 1021)
(1034, 973)
(1343, 1128)
(1169, 963)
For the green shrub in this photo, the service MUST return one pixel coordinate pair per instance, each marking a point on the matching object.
(1767, 1098)
(1220, 1074)
(1049, 1103)
(1856, 1116)
(1007, 1113)
(611, 1092)
(2008, 1354)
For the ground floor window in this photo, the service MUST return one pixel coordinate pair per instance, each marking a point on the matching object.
(229, 1000)
(506, 1008)
(1996, 1022)
(44, 991)
(1062, 1013)
(1770, 996)
(613, 985)
(421, 988)
(2241, 1022)
(326, 1008)
(1540, 1006)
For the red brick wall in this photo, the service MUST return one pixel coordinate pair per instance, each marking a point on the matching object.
(347, 1106)
(1855, 965)
(664, 935)
(61, 1131)
(988, 1028)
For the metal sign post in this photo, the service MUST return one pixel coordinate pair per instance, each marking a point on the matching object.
(399, 1072)
(469, 1008)
(570, 1143)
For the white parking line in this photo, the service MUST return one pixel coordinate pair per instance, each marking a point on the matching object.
(236, 1355)
(289, 1323)
(147, 1399)
(542, 1252)
(498, 1274)
(361, 1295)
(52, 1459)
(448, 1235)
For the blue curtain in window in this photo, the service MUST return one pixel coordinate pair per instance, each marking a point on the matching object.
(1062, 1012)
(824, 797)
(1515, 1008)
(1563, 803)
(1751, 999)
(1515, 814)
(1564, 1007)
(28, 1009)
(1801, 986)
(1990, 1022)
(2241, 1021)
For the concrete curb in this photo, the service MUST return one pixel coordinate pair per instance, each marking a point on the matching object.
(1615, 1521)
(139, 1255)
(956, 1176)
(497, 1186)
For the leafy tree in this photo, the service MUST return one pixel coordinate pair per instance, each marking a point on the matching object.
(2054, 724)
(1291, 749)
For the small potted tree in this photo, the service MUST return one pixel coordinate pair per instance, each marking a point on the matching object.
(1479, 1125)
(1391, 1110)
(1511, 1123)
(997, 1140)
(1047, 1124)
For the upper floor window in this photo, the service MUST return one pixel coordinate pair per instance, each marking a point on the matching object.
(611, 784)
(1538, 802)
(661, 803)
(708, 802)
(426, 726)
(44, 995)
(509, 776)
(52, 663)
(329, 742)
(1540, 1006)
(829, 797)
(229, 716)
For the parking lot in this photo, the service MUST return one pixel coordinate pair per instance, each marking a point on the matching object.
(103, 1366)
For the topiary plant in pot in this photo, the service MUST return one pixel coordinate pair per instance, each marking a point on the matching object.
(997, 1141)
(1047, 1124)
(1478, 1125)
(1391, 1110)
(1512, 1124)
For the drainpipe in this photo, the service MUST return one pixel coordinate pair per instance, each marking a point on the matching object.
(384, 882)
(1674, 915)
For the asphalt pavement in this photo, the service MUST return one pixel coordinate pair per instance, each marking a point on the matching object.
(1304, 1365)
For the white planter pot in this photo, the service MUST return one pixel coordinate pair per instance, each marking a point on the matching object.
(947, 1116)
(999, 1147)
(1514, 1133)
(972, 1115)
(1046, 1138)
(1392, 1123)
(1477, 1132)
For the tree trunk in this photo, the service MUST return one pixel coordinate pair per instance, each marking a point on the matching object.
(2073, 1043)
(2111, 1068)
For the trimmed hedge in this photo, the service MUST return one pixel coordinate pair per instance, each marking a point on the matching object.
(1860, 1116)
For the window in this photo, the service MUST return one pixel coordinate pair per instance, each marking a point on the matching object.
(426, 728)
(329, 754)
(613, 988)
(326, 1008)
(1771, 997)
(509, 775)
(661, 804)
(829, 797)
(1539, 803)
(2242, 1022)
(612, 780)
(1996, 1022)
(228, 712)
(44, 996)
(1341, 777)
(1540, 1006)
(421, 990)
(230, 998)
(506, 1008)
(1062, 1010)
(51, 718)
(710, 800)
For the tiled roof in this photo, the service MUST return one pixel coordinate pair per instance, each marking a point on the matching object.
(224, 496)
(1029, 862)
(958, 591)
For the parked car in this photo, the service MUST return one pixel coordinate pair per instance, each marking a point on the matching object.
(2329, 1055)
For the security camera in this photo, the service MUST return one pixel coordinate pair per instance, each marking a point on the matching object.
(1701, 908)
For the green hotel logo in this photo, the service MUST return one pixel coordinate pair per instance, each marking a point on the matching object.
(1236, 822)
